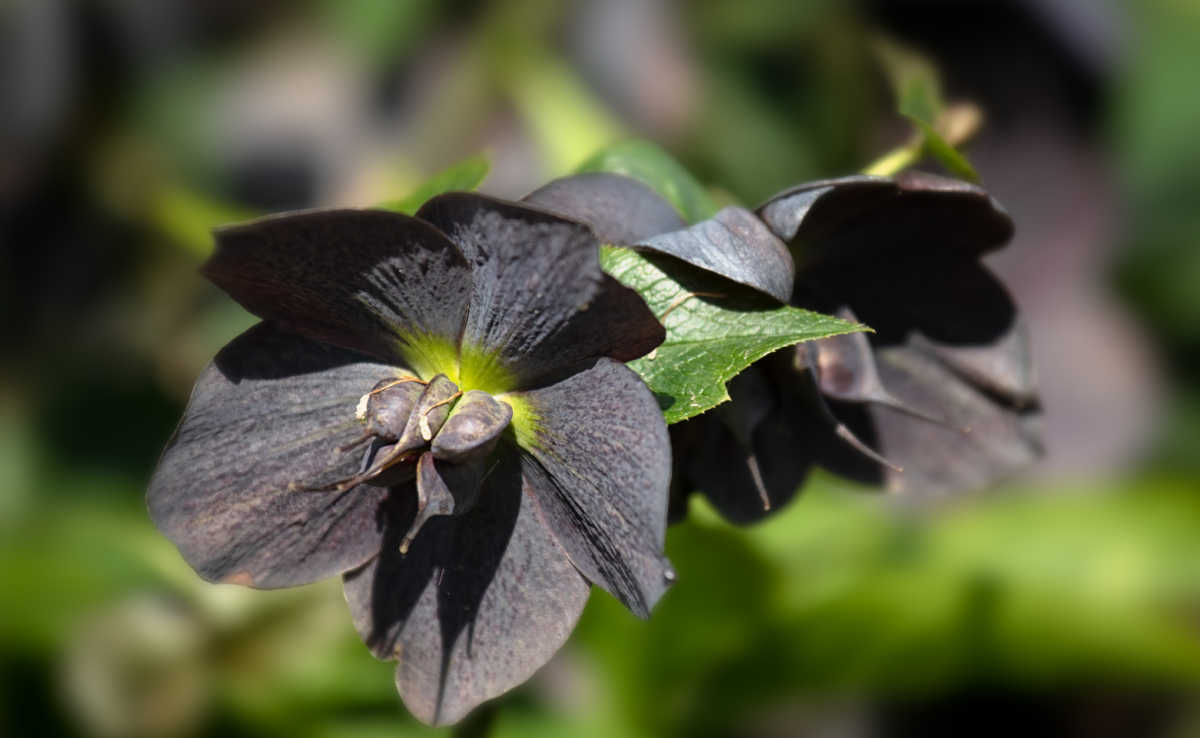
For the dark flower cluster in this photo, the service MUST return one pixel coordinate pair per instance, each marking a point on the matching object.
(436, 407)
(940, 397)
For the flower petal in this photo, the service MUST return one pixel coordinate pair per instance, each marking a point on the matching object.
(620, 210)
(542, 308)
(981, 440)
(1002, 366)
(265, 419)
(599, 465)
(735, 244)
(956, 310)
(369, 280)
(855, 217)
(475, 607)
(746, 482)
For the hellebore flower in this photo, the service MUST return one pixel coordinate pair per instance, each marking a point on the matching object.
(433, 407)
(941, 397)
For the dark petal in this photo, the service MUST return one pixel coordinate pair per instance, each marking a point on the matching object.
(620, 210)
(744, 482)
(956, 302)
(957, 311)
(473, 429)
(1003, 367)
(844, 369)
(599, 465)
(735, 244)
(541, 307)
(981, 441)
(265, 420)
(686, 439)
(794, 436)
(475, 607)
(750, 401)
(853, 218)
(370, 280)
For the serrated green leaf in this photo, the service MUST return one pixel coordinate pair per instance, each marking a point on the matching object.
(655, 168)
(715, 329)
(465, 175)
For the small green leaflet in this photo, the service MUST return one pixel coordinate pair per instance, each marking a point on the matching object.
(465, 175)
(946, 155)
(918, 91)
(715, 329)
(652, 166)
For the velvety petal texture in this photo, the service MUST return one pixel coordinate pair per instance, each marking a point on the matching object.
(476, 606)
(599, 466)
(735, 244)
(263, 425)
(542, 308)
(981, 439)
(846, 217)
(370, 280)
(620, 210)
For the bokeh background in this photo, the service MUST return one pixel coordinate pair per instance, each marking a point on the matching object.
(1066, 602)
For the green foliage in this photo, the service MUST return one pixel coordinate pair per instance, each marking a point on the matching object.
(565, 120)
(843, 594)
(1157, 113)
(918, 92)
(655, 168)
(464, 175)
(378, 30)
(715, 329)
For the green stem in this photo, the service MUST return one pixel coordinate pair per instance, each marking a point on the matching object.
(896, 160)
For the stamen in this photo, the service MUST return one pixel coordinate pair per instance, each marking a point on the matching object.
(366, 436)
(390, 459)
(423, 422)
(402, 380)
(756, 476)
(840, 429)
(360, 410)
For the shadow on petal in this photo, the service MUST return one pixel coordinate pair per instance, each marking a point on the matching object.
(479, 602)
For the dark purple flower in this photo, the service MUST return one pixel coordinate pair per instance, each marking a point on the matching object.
(941, 397)
(435, 408)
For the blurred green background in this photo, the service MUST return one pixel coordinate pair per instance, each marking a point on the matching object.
(1064, 603)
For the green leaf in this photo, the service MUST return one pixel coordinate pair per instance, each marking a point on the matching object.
(918, 92)
(565, 119)
(465, 175)
(655, 168)
(913, 79)
(946, 155)
(715, 329)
